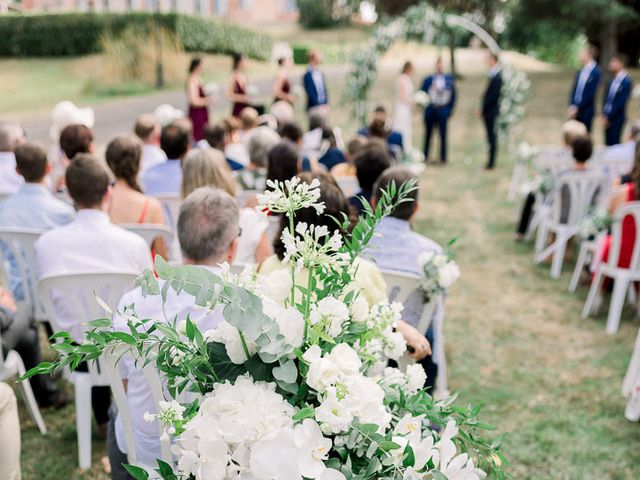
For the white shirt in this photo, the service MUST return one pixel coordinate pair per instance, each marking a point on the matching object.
(623, 152)
(253, 225)
(90, 243)
(10, 181)
(151, 155)
(582, 80)
(318, 81)
(494, 70)
(238, 153)
(139, 395)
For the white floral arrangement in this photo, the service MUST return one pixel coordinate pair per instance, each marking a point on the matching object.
(516, 89)
(596, 222)
(212, 89)
(542, 183)
(253, 90)
(439, 272)
(421, 98)
(294, 383)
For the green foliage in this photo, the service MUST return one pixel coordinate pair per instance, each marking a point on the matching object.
(316, 13)
(80, 33)
(300, 54)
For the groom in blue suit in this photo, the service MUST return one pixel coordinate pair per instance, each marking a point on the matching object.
(582, 103)
(615, 99)
(442, 95)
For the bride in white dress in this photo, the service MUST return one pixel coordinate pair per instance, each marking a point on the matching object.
(404, 105)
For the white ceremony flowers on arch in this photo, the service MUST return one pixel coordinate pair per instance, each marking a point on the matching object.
(423, 23)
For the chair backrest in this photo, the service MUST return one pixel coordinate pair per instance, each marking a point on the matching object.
(78, 292)
(171, 207)
(349, 185)
(243, 196)
(551, 157)
(273, 230)
(400, 285)
(575, 194)
(624, 211)
(150, 232)
(614, 167)
(20, 242)
(109, 361)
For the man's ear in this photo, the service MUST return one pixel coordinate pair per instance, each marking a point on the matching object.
(233, 249)
(47, 169)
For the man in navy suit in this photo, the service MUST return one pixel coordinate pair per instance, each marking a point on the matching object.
(442, 95)
(491, 107)
(315, 84)
(582, 103)
(616, 97)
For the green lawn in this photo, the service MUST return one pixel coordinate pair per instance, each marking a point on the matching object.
(515, 339)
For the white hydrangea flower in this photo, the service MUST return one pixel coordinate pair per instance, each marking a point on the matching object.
(290, 322)
(276, 285)
(448, 274)
(331, 314)
(359, 309)
(229, 336)
(416, 376)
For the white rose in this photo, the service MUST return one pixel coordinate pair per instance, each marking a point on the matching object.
(359, 309)
(230, 337)
(276, 285)
(333, 415)
(416, 376)
(290, 322)
(448, 275)
(345, 358)
(425, 258)
(322, 374)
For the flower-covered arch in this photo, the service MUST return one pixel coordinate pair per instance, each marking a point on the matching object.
(423, 23)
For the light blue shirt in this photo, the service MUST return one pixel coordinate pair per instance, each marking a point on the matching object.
(165, 177)
(396, 247)
(33, 206)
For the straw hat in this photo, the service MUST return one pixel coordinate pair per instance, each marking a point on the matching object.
(66, 113)
(166, 114)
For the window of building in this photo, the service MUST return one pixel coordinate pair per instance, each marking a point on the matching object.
(245, 4)
(222, 7)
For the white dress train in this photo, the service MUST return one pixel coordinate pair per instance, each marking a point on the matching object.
(403, 109)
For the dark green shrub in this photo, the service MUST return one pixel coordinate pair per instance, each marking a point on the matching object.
(300, 54)
(316, 13)
(80, 33)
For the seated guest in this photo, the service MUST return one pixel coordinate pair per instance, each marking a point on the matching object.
(208, 231)
(281, 111)
(165, 177)
(348, 169)
(582, 150)
(234, 149)
(75, 139)
(379, 126)
(260, 143)
(370, 162)
(396, 246)
(148, 131)
(128, 203)
(33, 206)
(215, 136)
(9, 435)
(625, 152)
(367, 281)
(284, 162)
(572, 130)
(332, 155)
(90, 243)
(206, 168)
(291, 131)
(248, 121)
(312, 139)
(11, 135)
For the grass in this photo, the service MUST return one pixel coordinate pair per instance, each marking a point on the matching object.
(515, 339)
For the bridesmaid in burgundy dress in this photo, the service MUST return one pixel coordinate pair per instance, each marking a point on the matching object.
(198, 100)
(282, 85)
(237, 91)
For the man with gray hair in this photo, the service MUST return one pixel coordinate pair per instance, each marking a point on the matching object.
(208, 231)
(260, 142)
(11, 135)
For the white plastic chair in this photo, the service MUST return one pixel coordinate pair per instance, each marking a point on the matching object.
(13, 366)
(349, 185)
(588, 253)
(584, 190)
(622, 277)
(243, 196)
(20, 242)
(401, 286)
(109, 361)
(171, 207)
(79, 291)
(632, 377)
(150, 232)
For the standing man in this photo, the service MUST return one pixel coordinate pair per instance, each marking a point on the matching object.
(315, 85)
(583, 95)
(491, 107)
(442, 94)
(614, 111)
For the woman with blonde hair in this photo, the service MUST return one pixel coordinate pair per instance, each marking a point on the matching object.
(208, 168)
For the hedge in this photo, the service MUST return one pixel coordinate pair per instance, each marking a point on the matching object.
(65, 34)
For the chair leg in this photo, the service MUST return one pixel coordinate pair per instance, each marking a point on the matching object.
(30, 399)
(558, 258)
(582, 261)
(632, 296)
(594, 291)
(83, 420)
(620, 288)
(541, 237)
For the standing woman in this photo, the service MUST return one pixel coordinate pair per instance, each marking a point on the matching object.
(282, 85)
(237, 91)
(198, 100)
(404, 104)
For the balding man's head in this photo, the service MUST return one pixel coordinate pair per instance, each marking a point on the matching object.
(208, 227)
(11, 135)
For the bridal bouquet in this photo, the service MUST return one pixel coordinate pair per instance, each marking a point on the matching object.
(597, 221)
(421, 98)
(294, 381)
(439, 272)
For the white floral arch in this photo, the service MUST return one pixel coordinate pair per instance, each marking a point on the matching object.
(423, 23)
